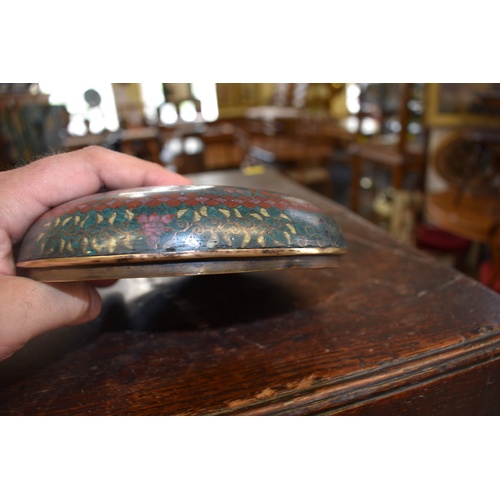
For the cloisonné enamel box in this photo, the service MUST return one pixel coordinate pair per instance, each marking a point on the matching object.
(178, 230)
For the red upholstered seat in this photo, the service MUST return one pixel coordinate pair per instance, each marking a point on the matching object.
(437, 239)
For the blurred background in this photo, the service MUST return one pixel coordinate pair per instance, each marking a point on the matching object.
(420, 160)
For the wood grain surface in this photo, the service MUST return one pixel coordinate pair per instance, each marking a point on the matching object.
(391, 331)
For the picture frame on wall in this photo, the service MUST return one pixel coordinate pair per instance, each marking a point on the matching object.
(463, 104)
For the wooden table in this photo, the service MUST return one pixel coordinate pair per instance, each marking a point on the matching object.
(391, 331)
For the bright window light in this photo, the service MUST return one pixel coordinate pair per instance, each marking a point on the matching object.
(207, 94)
(71, 95)
(352, 98)
(168, 114)
(187, 111)
(153, 98)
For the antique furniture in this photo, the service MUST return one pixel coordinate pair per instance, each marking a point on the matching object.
(144, 142)
(392, 151)
(222, 146)
(297, 144)
(469, 161)
(472, 217)
(391, 331)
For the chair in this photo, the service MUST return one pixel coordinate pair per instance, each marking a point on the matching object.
(476, 218)
(391, 151)
(295, 145)
(222, 148)
(469, 160)
(315, 150)
(143, 142)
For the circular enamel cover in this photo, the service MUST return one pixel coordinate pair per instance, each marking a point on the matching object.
(178, 230)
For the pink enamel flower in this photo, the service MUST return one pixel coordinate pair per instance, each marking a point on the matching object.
(153, 226)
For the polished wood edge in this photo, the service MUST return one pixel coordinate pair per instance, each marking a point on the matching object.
(178, 256)
(325, 397)
(186, 268)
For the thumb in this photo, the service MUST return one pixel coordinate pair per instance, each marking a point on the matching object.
(29, 308)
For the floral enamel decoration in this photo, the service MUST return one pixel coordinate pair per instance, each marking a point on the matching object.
(193, 222)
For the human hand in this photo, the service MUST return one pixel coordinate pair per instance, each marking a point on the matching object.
(29, 308)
